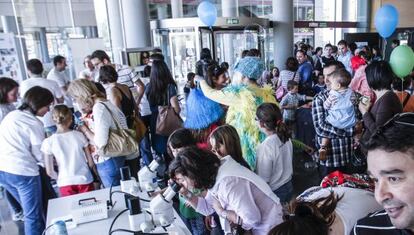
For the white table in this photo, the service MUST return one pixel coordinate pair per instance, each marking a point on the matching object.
(61, 207)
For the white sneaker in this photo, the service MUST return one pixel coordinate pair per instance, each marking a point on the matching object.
(18, 216)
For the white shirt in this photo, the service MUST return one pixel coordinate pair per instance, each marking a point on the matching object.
(21, 136)
(62, 80)
(355, 204)
(346, 60)
(87, 73)
(103, 121)
(52, 86)
(274, 161)
(5, 109)
(67, 148)
(144, 107)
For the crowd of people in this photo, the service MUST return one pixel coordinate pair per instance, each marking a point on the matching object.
(233, 154)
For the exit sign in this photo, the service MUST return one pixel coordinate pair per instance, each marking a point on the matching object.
(232, 21)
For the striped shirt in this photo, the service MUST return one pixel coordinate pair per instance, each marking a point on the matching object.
(377, 223)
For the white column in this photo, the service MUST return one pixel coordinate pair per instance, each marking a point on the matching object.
(115, 29)
(229, 9)
(363, 16)
(282, 31)
(177, 8)
(43, 45)
(162, 11)
(136, 23)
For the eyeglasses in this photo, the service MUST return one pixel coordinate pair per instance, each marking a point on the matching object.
(406, 119)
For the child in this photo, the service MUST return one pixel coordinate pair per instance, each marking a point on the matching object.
(290, 103)
(225, 141)
(70, 149)
(274, 154)
(190, 84)
(217, 76)
(320, 86)
(340, 105)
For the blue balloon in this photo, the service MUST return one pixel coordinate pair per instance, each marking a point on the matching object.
(207, 12)
(386, 20)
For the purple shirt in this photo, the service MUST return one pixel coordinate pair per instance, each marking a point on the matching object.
(258, 211)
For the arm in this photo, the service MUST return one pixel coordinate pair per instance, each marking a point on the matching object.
(49, 166)
(384, 113)
(264, 165)
(115, 97)
(226, 98)
(103, 121)
(37, 136)
(323, 128)
(175, 104)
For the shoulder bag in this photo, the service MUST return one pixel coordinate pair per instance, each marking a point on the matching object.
(121, 142)
(168, 120)
(281, 91)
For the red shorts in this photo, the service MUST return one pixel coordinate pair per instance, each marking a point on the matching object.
(75, 189)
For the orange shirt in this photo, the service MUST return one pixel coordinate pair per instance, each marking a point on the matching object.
(409, 106)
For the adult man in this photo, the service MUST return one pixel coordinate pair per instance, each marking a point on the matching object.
(58, 75)
(345, 55)
(339, 152)
(395, 43)
(391, 166)
(35, 70)
(126, 75)
(305, 72)
(89, 71)
(327, 58)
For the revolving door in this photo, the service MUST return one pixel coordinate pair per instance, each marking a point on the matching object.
(182, 39)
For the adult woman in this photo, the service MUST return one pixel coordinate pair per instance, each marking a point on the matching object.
(323, 211)
(275, 76)
(160, 91)
(121, 96)
(9, 91)
(243, 90)
(376, 54)
(91, 101)
(20, 140)
(237, 194)
(379, 78)
(217, 76)
(289, 73)
(400, 86)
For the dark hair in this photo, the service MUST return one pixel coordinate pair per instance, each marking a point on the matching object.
(160, 78)
(107, 74)
(396, 42)
(227, 135)
(401, 84)
(181, 138)
(147, 71)
(36, 98)
(157, 56)
(58, 59)
(225, 65)
(378, 51)
(101, 55)
(317, 50)
(100, 87)
(291, 84)
(337, 64)
(205, 54)
(394, 137)
(277, 69)
(364, 56)
(309, 217)
(157, 50)
(253, 52)
(301, 51)
(343, 42)
(334, 49)
(328, 45)
(244, 53)
(304, 48)
(379, 75)
(271, 117)
(292, 64)
(199, 165)
(6, 85)
(34, 66)
(213, 72)
(190, 76)
(352, 47)
(342, 76)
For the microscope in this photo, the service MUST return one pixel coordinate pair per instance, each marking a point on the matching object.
(148, 174)
(160, 211)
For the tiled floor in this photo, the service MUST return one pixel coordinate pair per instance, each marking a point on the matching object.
(303, 178)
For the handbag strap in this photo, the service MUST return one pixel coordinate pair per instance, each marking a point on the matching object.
(294, 75)
(118, 126)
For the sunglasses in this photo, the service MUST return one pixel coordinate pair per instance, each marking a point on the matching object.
(406, 119)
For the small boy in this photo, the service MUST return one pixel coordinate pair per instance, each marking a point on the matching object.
(290, 103)
(190, 83)
(340, 105)
(320, 86)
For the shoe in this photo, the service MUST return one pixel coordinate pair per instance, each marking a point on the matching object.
(18, 216)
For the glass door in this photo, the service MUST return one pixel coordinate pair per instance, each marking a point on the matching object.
(183, 55)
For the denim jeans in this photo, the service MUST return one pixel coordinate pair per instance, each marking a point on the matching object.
(27, 191)
(14, 205)
(285, 192)
(109, 171)
(196, 225)
(145, 144)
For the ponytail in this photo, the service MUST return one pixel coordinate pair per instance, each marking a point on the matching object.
(271, 117)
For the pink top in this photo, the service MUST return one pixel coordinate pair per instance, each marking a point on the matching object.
(359, 83)
(258, 211)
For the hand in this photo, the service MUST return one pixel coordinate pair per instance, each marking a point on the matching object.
(83, 128)
(207, 222)
(363, 108)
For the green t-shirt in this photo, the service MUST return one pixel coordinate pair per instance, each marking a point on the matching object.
(187, 211)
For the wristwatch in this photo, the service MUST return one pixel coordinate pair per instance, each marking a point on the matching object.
(223, 214)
